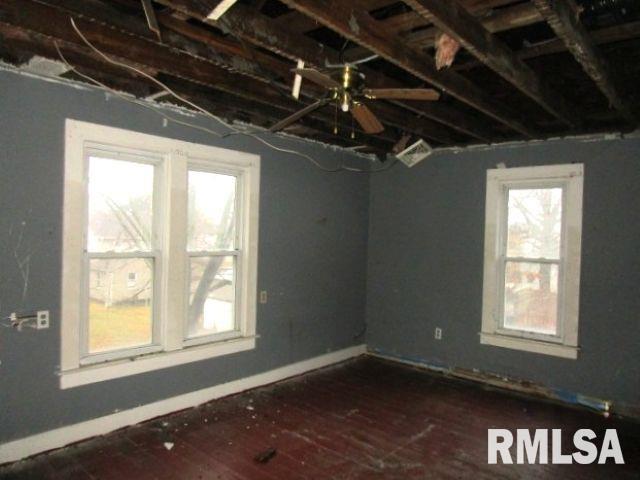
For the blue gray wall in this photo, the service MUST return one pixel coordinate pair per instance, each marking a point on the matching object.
(312, 257)
(414, 236)
(426, 262)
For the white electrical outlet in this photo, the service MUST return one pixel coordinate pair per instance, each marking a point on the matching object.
(437, 334)
(42, 319)
(263, 296)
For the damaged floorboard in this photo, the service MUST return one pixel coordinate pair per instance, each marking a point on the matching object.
(364, 419)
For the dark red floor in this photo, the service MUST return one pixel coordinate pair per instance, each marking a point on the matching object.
(365, 419)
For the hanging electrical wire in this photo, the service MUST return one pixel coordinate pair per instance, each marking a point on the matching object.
(167, 89)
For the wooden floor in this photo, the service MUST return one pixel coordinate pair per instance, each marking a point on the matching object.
(365, 419)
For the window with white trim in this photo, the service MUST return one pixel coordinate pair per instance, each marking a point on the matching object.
(533, 224)
(159, 252)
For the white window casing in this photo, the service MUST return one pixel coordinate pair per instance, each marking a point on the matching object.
(171, 159)
(564, 343)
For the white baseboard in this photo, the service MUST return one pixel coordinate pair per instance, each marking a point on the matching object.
(41, 442)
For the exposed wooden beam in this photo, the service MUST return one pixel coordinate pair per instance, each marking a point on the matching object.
(602, 36)
(20, 18)
(432, 110)
(319, 126)
(453, 19)
(299, 23)
(222, 54)
(564, 19)
(360, 27)
(519, 15)
(398, 23)
(257, 61)
(260, 30)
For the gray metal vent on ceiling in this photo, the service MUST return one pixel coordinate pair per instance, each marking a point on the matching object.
(415, 153)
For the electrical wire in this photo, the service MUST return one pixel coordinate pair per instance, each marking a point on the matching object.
(164, 87)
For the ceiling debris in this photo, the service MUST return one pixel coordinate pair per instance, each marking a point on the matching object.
(446, 49)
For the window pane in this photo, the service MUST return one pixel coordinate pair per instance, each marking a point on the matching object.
(531, 297)
(120, 298)
(534, 223)
(120, 205)
(211, 211)
(211, 295)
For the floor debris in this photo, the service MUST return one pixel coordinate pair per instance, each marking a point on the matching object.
(168, 445)
(265, 456)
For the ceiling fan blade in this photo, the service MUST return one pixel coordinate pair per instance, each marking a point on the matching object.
(427, 94)
(317, 77)
(365, 117)
(298, 115)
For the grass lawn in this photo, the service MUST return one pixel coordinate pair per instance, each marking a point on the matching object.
(118, 326)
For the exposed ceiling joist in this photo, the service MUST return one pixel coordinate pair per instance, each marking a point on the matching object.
(25, 18)
(392, 116)
(360, 27)
(453, 19)
(242, 65)
(601, 36)
(399, 23)
(519, 15)
(300, 23)
(234, 56)
(264, 32)
(564, 19)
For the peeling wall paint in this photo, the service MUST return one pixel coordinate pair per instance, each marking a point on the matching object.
(511, 384)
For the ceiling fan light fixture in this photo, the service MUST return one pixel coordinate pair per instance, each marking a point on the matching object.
(345, 102)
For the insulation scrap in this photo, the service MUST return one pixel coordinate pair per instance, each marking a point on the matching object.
(446, 49)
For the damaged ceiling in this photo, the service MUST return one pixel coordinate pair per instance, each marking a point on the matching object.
(505, 69)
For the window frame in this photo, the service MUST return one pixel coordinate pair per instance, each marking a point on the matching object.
(500, 181)
(172, 160)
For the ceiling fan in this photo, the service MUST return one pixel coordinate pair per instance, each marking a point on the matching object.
(347, 90)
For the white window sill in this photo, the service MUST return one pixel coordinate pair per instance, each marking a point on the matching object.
(535, 346)
(133, 366)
